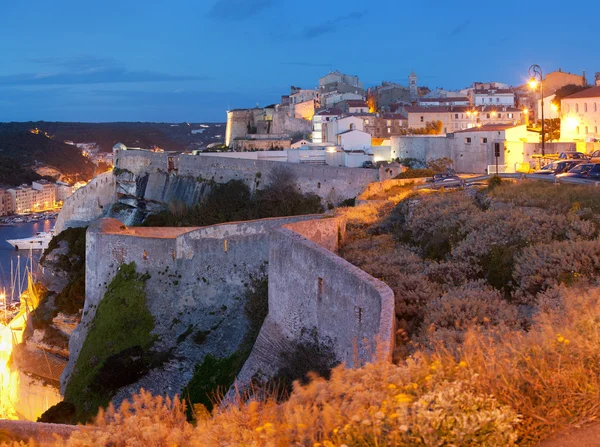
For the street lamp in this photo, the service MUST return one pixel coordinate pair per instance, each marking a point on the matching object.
(534, 72)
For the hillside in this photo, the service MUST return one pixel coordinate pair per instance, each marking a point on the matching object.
(21, 152)
(176, 137)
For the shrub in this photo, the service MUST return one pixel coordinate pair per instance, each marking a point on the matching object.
(562, 262)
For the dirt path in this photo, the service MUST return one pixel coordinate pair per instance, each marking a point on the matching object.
(585, 437)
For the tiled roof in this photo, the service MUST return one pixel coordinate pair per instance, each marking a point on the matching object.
(487, 128)
(459, 109)
(593, 92)
(329, 111)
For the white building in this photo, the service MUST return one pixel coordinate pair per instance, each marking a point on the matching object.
(302, 95)
(444, 101)
(580, 116)
(492, 97)
(342, 124)
(354, 140)
(320, 121)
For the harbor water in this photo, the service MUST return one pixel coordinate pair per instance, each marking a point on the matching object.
(20, 258)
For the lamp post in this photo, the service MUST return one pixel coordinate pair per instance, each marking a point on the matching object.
(535, 71)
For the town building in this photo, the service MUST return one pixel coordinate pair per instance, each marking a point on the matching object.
(40, 196)
(63, 191)
(455, 118)
(445, 101)
(386, 125)
(492, 97)
(340, 83)
(388, 93)
(5, 203)
(354, 106)
(580, 116)
(557, 79)
(412, 86)
(320, 121)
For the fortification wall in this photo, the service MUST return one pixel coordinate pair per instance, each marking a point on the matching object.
(141, 162)
(420, 147)
(87, 203)
(331, 184)
(313, 292)
(198, 277)
(283, 123)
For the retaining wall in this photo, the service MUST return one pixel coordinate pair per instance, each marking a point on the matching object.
(315, 293)
(87, 203)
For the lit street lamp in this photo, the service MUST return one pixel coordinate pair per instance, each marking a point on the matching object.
(534, 72)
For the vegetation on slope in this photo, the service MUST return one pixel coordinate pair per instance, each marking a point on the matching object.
(25, 151)
(116, 351)
(144, 135)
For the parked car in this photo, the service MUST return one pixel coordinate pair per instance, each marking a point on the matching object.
(579, 171)
(595, 156)
(369, 164)
(573, 155)
(446, 179)
(558, 167)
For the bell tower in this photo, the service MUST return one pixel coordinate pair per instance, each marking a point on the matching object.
(412, 85)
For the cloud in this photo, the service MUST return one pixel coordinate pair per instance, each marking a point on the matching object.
(329, 26)
(81, 70)
(237, 10)
(459, 29)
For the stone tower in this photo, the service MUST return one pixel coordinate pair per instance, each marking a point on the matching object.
(412, 85)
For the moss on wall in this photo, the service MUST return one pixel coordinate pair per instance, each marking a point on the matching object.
(116, 350)
(214, 376)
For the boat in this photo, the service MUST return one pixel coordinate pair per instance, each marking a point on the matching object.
(38, 242)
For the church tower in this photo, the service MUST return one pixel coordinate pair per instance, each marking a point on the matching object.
(412, 85)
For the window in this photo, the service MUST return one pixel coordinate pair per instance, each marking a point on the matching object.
(468, 140)
(488, 115)
(456, 116)
(585, 106)
(422, 119)
(576, 108)
(491, 100)
(484, 140)
(511, 115)
(389, 130)
(595, 107)
(596, 130)
(389, 122)
(499, 115)
(366, 121)
(586, 130)
(497, 100)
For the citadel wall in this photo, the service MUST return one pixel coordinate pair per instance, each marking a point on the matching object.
(87, 203)
(314, 294)
(198, 277)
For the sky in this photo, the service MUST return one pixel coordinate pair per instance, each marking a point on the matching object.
(191, 60)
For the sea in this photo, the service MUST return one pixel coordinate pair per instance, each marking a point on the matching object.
(21, 259)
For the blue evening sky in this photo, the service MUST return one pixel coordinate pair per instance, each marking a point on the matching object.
(189, 60)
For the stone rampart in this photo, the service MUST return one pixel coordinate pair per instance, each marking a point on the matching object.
(313, 292)
(87, 203)
(331, 184)
(141, 161)
(198, 277)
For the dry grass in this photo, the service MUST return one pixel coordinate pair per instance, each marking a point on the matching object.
(547, 195)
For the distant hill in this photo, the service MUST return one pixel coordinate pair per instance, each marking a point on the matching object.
(176, 137)
(21, 152)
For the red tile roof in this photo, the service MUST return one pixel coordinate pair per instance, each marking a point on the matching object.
(593, 92)
(487, 128)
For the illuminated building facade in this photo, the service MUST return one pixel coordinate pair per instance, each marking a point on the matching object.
(580, 116)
